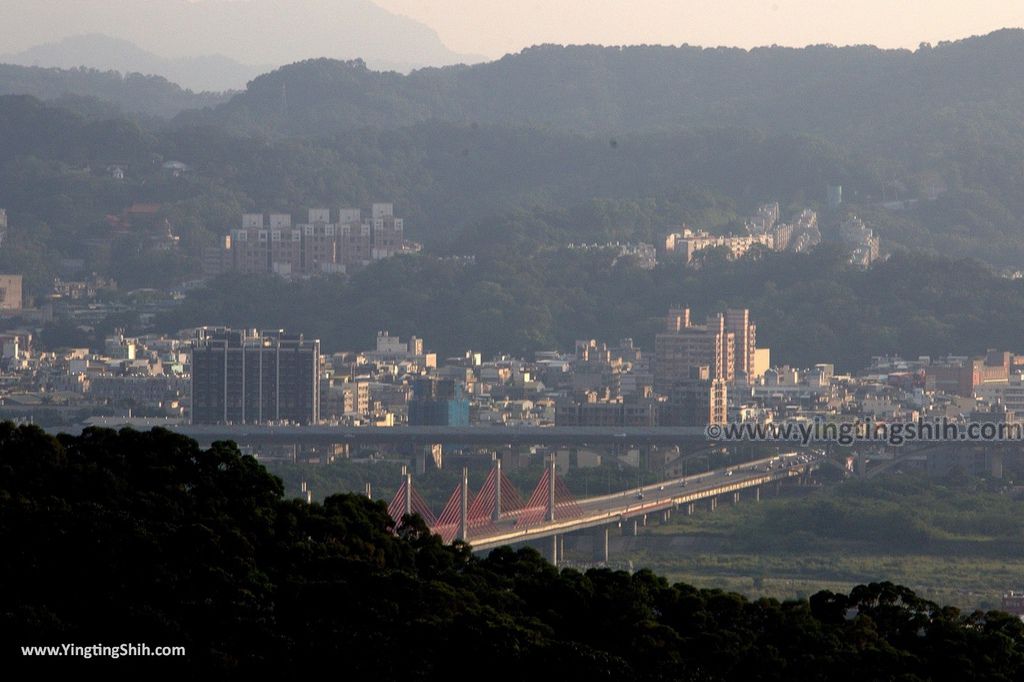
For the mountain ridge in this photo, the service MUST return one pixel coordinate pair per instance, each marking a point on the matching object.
(208, 73)
(104, 94)
(846, 93)
(246, 31)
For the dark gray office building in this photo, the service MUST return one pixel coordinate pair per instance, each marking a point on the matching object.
(250, 377)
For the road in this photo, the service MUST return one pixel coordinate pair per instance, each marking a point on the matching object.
(456, 435)
(637, 502)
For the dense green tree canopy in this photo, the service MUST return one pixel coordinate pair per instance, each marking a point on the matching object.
(96, 92)
(651, 138)
(144, 537)
(964, 90)
(808, 308)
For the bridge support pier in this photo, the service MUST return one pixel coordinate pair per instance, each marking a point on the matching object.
(689, 508)
(435, 451)
(736, 497)
(601, 544)
(645, 461)
(757, 494)
(714, 503)
(995, 464)
(510, 456)
(636, 527)
(427, 456)
(553, 556)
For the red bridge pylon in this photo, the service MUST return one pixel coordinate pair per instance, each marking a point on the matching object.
(450, 519)
(496, 499)
(496, 503)
(551, 501)
(407, 500)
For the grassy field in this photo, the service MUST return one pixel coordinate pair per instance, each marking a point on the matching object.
(965, 582)
(773, 548)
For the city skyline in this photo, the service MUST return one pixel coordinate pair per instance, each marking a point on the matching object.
(594, 350)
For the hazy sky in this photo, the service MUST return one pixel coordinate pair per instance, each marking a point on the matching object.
(495, 27)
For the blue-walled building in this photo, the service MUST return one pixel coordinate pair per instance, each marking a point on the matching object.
(438, 402)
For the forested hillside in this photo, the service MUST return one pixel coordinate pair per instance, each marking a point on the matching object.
(967, 90)
(145, 537)
(457, 186)
(129, 93)
(808, 308)
(651, 139)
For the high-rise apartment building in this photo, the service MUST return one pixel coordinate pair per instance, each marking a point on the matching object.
(745, 333)
(684, 345)
(726, 344)
(340, 398)
(630, 410)
(321, 245)
(862, 241)
(698, 400)
(319, 242)
(438, 402)
(687, 242)
(245, 377)
(388, 231)
(10, 292)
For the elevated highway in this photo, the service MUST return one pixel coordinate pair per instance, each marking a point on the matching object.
(634, 504)
(453, 435)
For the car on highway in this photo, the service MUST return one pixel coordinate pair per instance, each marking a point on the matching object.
(639, 496)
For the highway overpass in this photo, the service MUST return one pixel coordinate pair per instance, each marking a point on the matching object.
(446, 435)
(634, 505)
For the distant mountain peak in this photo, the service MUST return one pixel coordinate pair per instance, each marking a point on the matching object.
(246, 32)
(108, 53)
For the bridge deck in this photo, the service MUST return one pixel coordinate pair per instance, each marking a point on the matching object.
(464, 435)
(610, 509)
